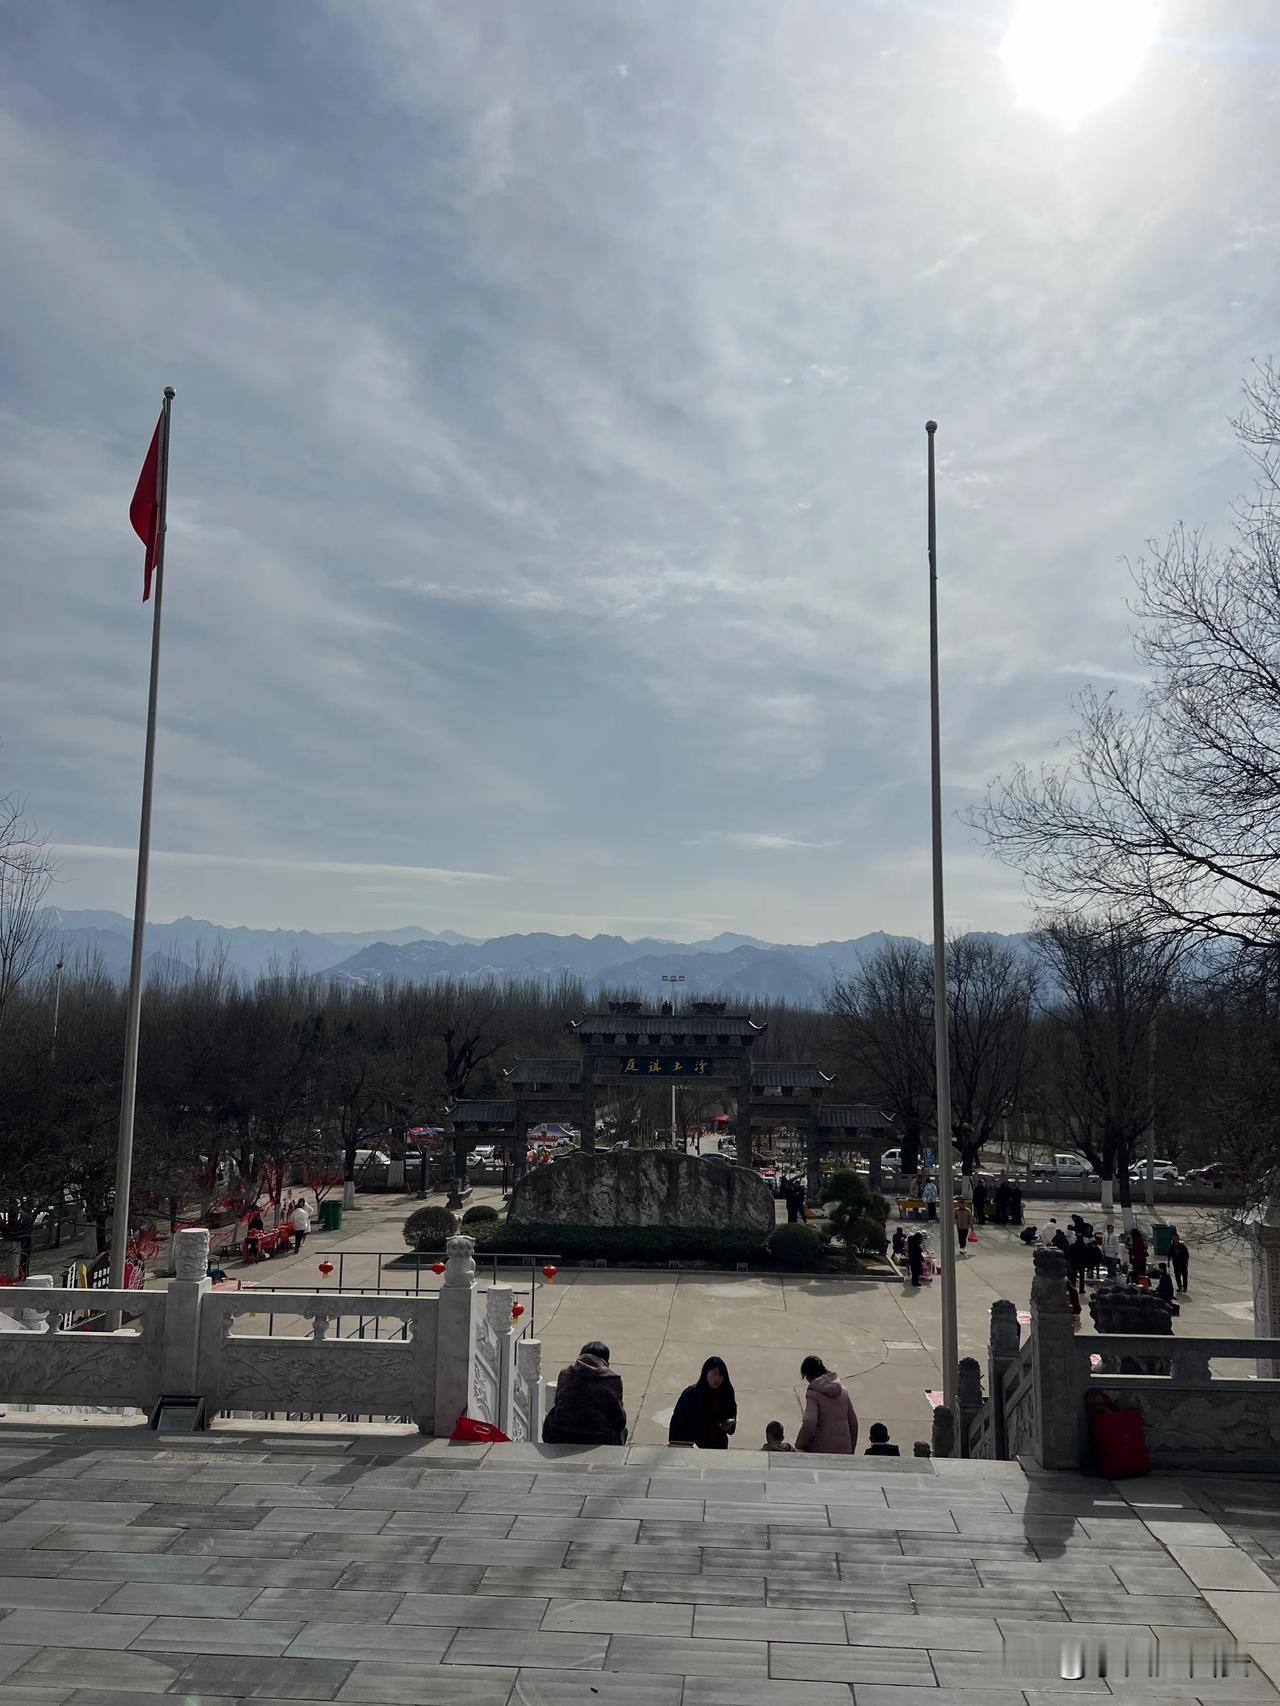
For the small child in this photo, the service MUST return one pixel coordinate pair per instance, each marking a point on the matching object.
(775, 1438)
(880, 1444)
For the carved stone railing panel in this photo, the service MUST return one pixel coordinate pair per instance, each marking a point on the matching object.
(490, 1348)
(1020, 1403)
(89, 1368)
(304, 1372)
(1191, 1419)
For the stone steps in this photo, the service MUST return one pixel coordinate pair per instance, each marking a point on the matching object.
(376, 1566)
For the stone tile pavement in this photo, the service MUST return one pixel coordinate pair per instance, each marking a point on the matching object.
(316, 1564)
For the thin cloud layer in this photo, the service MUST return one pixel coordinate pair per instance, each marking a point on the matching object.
(548, 443)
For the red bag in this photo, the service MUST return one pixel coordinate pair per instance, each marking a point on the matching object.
(1119, 1439)
(973, 1237)
(474, 1432)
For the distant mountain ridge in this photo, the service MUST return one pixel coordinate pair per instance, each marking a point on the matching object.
(729, 966)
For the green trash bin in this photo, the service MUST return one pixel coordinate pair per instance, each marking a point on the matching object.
(331, 1214)
(1162, 1237)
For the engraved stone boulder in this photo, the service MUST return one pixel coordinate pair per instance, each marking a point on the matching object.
(643, 1187)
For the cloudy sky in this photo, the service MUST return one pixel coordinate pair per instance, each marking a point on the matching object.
(547, 519)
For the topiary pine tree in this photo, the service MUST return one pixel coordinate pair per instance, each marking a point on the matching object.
(856, 1212)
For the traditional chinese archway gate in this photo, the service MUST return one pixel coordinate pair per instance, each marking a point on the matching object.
(704, 1044)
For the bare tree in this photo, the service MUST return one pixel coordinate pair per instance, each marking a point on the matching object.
(26, 871)
(1170, 814)
(1107, 980)
(885, 1011)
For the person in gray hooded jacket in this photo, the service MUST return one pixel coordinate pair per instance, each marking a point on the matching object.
(588, 1408)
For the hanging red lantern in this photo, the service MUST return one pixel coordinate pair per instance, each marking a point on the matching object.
(517, 1310)
(437, 1267)
(326, 1268)
(550, 1272)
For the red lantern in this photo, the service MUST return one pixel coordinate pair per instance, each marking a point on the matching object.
(437, 1267)
(326, 1268)
(517, 1310)
(549, 1272)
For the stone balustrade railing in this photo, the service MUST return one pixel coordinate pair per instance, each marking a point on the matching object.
(276, 1353)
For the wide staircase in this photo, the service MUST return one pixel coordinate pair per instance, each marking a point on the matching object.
(316, 1563)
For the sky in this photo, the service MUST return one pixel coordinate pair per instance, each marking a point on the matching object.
(546, 532)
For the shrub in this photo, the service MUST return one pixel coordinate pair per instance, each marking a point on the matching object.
(428, 1228)
(721, 1245)
(481, 1212)
(796, 1245)
(857, 1213)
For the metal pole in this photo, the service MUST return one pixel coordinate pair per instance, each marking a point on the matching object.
(57, 1003)
(941, 1042)
(133, 1015)
(1151, 1118)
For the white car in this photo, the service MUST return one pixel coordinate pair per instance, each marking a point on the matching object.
(1163, 1170)
(1062, 1167)
(891, 1161)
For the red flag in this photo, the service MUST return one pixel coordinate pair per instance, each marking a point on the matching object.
(144, 511)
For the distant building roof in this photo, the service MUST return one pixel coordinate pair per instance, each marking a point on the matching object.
(768, 1077)
(667, 1025)
(545, 1072)
(855, 1114)
(482, 1113)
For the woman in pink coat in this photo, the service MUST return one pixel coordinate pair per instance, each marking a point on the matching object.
(830, 1422)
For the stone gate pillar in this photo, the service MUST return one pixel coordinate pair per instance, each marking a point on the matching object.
(1003, 1346)
(587, 1118)
(1263, 1230)
(812, 1163)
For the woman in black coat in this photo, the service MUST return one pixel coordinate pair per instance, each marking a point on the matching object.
(706, 1413)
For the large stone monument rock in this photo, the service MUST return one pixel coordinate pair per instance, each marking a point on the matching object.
(643, 1187)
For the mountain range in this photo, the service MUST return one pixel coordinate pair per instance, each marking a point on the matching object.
(728, 965)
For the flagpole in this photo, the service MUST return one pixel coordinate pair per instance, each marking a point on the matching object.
(941, 1041)
(133, 1016)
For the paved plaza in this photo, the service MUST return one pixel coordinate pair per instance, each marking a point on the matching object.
(883, 1339)
(318, 1564)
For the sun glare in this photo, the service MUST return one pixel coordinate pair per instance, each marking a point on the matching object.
(1069, 57)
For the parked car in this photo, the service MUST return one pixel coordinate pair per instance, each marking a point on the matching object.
(1217, 1174)
(891, 1161)
(1061, 1167)
(1163, 1170)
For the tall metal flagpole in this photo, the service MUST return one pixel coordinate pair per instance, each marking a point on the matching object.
(129, 1086)
(941, 1043)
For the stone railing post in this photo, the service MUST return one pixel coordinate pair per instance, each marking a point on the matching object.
(1002, 1349)
(36, 1320)
(498, 1316)
(455, 1339)
(1058, 1400)
(528, 1423)
(1263, 1230)
(968, 1400)
(191, 1285)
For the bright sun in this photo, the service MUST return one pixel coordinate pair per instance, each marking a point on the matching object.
(1068, 57)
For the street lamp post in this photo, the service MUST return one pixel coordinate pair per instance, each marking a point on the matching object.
(673, 977)
(57, 1003)
(942, 1054)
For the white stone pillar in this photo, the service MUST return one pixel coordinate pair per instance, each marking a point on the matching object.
(498, 1315)
(36, 1320)
(1262, 1228)
(179, 1377)
(1059, 1421)
(528, 1425)
(455, 1337)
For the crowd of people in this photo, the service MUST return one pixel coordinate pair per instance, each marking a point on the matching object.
(588, 1409)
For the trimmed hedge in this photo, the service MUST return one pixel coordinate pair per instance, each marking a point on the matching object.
(624, 1243)
(796, 1245)
(428, 1228)
(479, 1214)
